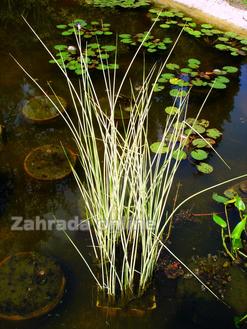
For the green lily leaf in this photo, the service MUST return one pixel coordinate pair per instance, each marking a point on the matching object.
(230, 69)
(199, 142)
(62, 26)
(172, 110)
(205, 168)
(199, 154)
(179, 155)
(172, 66)
(159, 147)
(177, 93)
(213, 133)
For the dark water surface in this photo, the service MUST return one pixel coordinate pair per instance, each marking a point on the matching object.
(22, 196)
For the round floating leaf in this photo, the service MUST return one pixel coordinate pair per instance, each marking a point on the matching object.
(203, 122)
(230, 34)
(172, 66)
(221, 46)
(198, 82)
(125, 36)
(159, 147)
(213, 133)
(185, 70)
(218, 85)
(158, 87)
(205, 168)
(109, 48)
(61, 26)
(206, 26)
(199, 154)
(230, 69)
(219, 221)
(166, 77)
(177, 93)
(222, 79)
(179, 155)
(172, 110)
(165, 26)
(199, 129)
(219, 198)
(69, 32)
(60, 47)
(199, 142)
(194, 61)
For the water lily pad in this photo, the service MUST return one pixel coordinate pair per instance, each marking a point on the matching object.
(205, 168)
(179, 154)
(172, 66)
(213, 133)
(178, 93)
(199, 154)
(230, 69)
(31, 285)
(40, 110)
(199, 142)
(49, 162)
(159, 147)
(172, 110)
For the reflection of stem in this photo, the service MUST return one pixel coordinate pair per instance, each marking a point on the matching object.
(174, 204)
(224, 244)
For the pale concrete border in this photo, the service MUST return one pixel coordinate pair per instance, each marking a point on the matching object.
(217, 12)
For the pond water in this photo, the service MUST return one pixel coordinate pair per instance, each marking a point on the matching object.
(23, 196)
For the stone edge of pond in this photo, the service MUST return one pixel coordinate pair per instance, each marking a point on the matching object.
(204, 14)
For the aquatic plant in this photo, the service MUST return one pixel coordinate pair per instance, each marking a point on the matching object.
(125, 189)
(151, 44)
(232, 233)
(119, 3)
(196, 142)
(191, 76)
(97, 52)
(228, 41)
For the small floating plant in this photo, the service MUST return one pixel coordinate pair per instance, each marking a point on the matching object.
(119, 3)
(151, 44)
(191, 76)
(194, 147)
(97, 53)
(230, 42)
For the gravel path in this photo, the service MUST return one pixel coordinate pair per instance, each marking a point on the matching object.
(220, 9)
